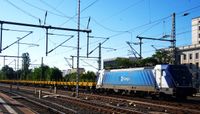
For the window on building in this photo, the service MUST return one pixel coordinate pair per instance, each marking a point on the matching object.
(184, 57)
(197, 56)
(199, 27)
(197, 65)
(190, 56)
(190, 66)
(199, 35)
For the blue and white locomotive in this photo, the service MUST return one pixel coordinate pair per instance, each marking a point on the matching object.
(173, 80)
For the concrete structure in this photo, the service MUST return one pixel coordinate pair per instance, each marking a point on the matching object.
(74, 70)
(190, 54)
(196, 30)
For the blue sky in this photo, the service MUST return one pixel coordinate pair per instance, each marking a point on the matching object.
(118, 20)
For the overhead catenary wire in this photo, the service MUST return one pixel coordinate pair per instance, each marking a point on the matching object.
(47, 4)
(15, 30)
(80, 12)
(146, 25)
(149, 28)
(25, 12)
(159, 20)
(179, 13)
(149, 23)
(89, 64)
(106, 28)
(44, 10)
(59, 4)
(60, 44)
(77, 14)
(124, 9)
(62, 15)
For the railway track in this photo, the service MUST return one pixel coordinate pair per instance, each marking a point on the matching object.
(144, 104)
(186, 104)
(38, 105)
(82, 106)
(115, 104)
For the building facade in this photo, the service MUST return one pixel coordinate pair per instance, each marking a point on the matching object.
(74, 70)
(196, 30)
(190, 55)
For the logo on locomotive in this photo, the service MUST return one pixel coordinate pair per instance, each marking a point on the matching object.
(124, 79)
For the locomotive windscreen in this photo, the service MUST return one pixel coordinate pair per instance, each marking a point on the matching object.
(181, 75)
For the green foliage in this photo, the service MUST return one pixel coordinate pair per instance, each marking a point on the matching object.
(25, 65)
(46, 73)
(160, 57)
(84, 77)
(36, 73)
(7, 73)
(88, 77)
(70, 77)
(55, 74)
(123, 63)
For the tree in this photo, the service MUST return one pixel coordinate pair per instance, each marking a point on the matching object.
(84, 77)
(25, 65)
(89, 77)
(162, 57)
(42, 73)
(8, 73)
(70, 77)
(36, 73)
(55, 74)
(149, 61)
(123, 63)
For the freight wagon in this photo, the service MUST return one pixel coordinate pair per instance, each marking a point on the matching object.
(172, 80)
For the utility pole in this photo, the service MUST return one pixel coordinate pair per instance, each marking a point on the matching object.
(140, 42)
(18, 63)
(72, 62)
(42, 67)
(78, 45)
(46, 41)
(4, 61)
(134, 52)
(159, 39)
(1, 37)
(99, 61)
(40, 26)
(4, 58)
(88, 37)
(173, 37)
(173, 40)
(15, 64)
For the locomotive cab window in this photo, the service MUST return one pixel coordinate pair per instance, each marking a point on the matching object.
(162, 72)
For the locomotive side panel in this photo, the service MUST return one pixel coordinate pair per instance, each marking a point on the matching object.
(140, 80)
